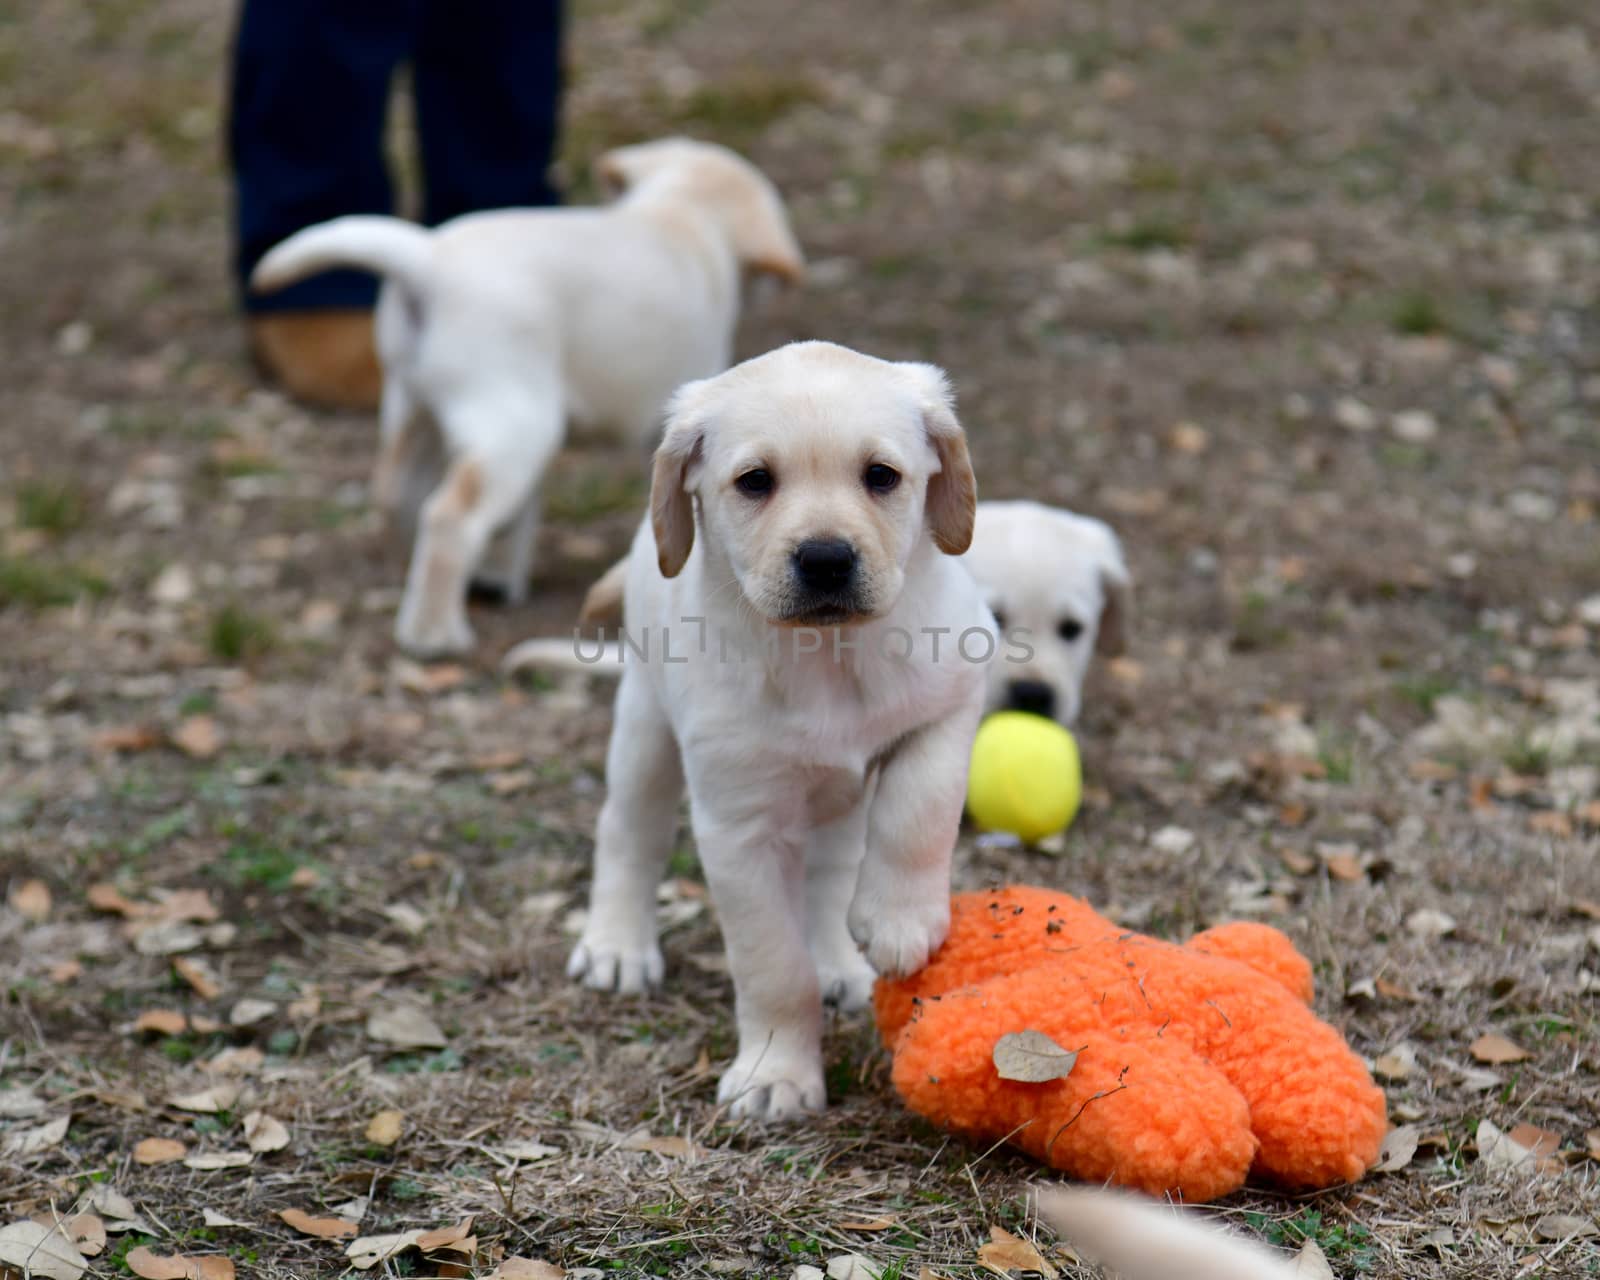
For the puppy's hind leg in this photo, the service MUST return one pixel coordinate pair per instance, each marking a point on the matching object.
(644, 781)
(502, 457)
(507, 567)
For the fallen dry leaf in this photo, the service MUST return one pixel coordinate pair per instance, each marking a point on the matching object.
(1565, 1226)
(368, 1251)
(152, 1266)
(1311, 1263)
(211, 1161)
(1297, 861)
(87, 1232)
(1540, 1143)
(413, 677)
(526, 1150)
(29, 1142)
(322, 1228)
(405, 1028)
(1550, 822)
(65, 972)
(111, 1203)
(1496, 1049)
(1343, 863)
(243, 1061)
(162, 1022)
(264, 1133)
(248, 1012)
(1499, 1150)
(1429, 923)
(1397, 1063)
(527, 1269)
(107, 897)
(200, 976)
(211, 1218)
(1032, 1057)
(1586, 907)
(40, 1251)
(1398, 1150)
(383, 1130)
(870, 1224)
(446, 1237)
(125, 739)
(852, 1266)
(1005, 1253)
(1591, 1140)
(198, 737)
(1394, 991)
(31, 900)
(670, 1144)
(209, 1101)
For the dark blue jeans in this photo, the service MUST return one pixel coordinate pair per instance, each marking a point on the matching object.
(309, 99)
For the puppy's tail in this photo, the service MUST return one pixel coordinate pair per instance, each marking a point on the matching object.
(388, 247)
(1142, 1239)
(589, 657)
(602, 606)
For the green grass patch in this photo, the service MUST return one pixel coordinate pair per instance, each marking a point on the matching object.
(1144, 235)
(1342, 1242)
(54, 506)
(595, 492)
(1424, 688)
(738, 110)
(1417, 314)
(261, 864)
(34, 584)
(237, 635)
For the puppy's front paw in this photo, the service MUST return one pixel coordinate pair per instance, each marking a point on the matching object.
(846, 979)
(769, 1086)
(434, 638)
(603, 964)
(898, 932)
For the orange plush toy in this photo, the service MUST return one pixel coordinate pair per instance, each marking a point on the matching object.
(1197, 1064)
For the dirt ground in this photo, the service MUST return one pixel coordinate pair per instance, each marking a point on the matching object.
(1301, 298)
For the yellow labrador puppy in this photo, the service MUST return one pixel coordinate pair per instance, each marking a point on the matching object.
(1060, 591)
(804, 651)
(499, 330)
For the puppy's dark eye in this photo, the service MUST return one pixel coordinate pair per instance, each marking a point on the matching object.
(755, 483)
(1069, 629)
(999, 620)
(879, 478)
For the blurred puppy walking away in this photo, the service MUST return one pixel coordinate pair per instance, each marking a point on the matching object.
(308, 103)
(798, 572)
(499, 330)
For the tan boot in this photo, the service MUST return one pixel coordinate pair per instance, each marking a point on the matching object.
(323, 357)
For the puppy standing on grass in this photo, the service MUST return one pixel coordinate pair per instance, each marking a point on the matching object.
(798, 593)
(499, 329)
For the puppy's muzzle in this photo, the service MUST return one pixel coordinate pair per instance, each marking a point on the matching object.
(825, 566)
(1033, 696)
(826, 580)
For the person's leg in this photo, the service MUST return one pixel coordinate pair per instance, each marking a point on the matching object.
(307, 105)
(488, 86)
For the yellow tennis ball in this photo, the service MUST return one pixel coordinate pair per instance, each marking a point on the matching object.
(1025, 776)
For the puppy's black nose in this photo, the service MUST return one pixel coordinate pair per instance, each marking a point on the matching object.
(1033, 696)
(825, 564)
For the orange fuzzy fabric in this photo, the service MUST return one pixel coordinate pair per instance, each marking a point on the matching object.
(1197, 1065)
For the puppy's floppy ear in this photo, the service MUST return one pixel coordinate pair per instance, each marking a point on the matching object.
(763, 239)
(617, 170)
(1116, 614)
(952, 502)
(672, 477)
